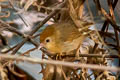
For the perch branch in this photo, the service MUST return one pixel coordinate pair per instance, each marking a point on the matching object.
(83, 55)
(54, 62)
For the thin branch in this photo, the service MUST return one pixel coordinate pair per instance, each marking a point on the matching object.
(82, 55)
(36, 35)
(6, 51)
(106, 22)
(113, 17)
(94, 55)
(18, 14)
(110, 20)
(54, 62)
(52, 9)
(14, 72)
(12, 29)
(98, 5)
(7, 14)
(34, 42)
(99, 55)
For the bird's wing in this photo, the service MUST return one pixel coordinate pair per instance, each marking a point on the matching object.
(69, 32)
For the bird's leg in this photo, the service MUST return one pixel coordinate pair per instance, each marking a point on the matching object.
(59, 56)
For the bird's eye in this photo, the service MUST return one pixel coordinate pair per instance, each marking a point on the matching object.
(47, 40)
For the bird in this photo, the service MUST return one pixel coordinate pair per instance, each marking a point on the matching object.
(62, 37)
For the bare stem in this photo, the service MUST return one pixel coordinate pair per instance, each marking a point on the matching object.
(54, 62)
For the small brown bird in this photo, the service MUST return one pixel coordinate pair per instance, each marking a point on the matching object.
(61, 38)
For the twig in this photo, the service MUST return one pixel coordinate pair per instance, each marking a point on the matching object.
(10, 49)
(36, 35)
(5, 16)
(98, 5)
(95, 55)
(91, 15)
(106, 22)
(110, 19)
(52, 9)
(63, 73)
(12, 29)
(54, 62)
(27, 52)
(113, 17)
(34, 42)
(5, 5)
(18, 14)
(99, 55)
(14, 72)
(83, 55)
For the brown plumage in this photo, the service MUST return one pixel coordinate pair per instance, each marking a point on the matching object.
(61, 37)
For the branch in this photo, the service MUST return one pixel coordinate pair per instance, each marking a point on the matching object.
(83, 55)
(18, 14)
(54, 62)
(110, 20)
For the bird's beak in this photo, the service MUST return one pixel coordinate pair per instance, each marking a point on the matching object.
(40, 46)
